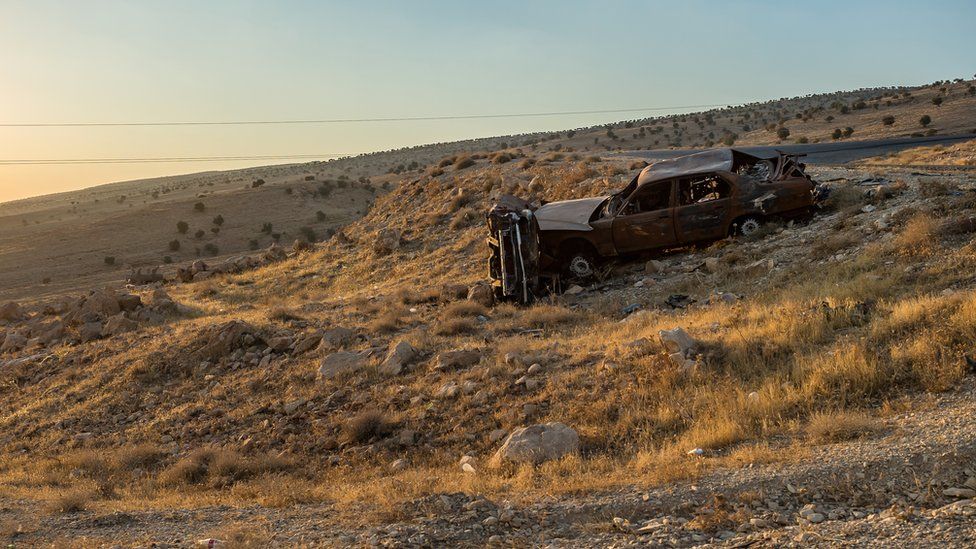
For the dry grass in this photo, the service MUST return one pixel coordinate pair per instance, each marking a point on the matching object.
(837, 426)
(365, 426)
(917, 238)
(71, 501)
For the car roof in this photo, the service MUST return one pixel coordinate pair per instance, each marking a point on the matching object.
(712, 160)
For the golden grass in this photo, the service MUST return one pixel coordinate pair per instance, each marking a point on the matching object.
(837, 426)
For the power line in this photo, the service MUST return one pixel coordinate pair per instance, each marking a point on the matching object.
(148, 160)
(348, 120)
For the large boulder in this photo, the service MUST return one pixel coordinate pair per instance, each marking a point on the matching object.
(399, 357)
(387, 241)
(537, 443)
(90, 331)
(129, 302)
(342, 362)
(11, 311)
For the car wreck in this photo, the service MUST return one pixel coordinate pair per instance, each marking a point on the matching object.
(687, 200)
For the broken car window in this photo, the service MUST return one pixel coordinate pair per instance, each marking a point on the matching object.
(649, 198)
(695, 190)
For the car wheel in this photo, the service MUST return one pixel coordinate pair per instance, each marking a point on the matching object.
(580, 266)
(749, 226)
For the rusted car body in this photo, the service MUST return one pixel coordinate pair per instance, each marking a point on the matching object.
(687, 200)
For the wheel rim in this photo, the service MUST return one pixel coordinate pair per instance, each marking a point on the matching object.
(580, 267)
(748, 227)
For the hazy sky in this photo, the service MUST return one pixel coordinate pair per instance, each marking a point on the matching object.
(126, 61)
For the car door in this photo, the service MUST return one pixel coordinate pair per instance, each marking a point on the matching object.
(702, 208)
(645, 221)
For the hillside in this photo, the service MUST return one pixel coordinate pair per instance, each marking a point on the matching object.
(56, 244)
(330, 396)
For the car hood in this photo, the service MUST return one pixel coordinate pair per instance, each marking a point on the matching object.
(568, 215)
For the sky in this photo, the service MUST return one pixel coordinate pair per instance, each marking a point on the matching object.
(165, 61)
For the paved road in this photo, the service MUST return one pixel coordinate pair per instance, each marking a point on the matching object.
(837, 152)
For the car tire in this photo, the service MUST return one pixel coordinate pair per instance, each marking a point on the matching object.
(748, 226)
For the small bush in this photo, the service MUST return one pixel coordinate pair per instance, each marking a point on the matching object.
(182, 227)
(109, 260)
(365, 426)
(200, 233)
(257, 183)
(925, 120)
(937, 101)
(211, 248)
(839, 426)
(320, 216)
(174, 245)
(455, 326)
(463, 162)
(199, 206)
(72, 501)
(783, 132)
(219, 220)
(308, 234)
(253, 244)
(888, 120)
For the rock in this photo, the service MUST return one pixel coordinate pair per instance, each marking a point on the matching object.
(468, 464)
(13, 342)
(676, 340)
(448, 390)
(129, 302)
(497, 435)
(340, 363)
(456, 359)
(534, 369)
(159, 300)
(198, 266)
(387, 241)
(398, 465)
(815, 518)
(575, 289)
(337, 338)
(712, 264)
(653, 267)
(90, 331)
(293, 406)
(398, 357)
(965, 493)
(274, 253)
(280, 344)
(307, 342)
(219, 341)
(869, 208)
(119, 324)
(103, 303)
(482, 294)
(538, 443)
(11, 311)
(407, 437)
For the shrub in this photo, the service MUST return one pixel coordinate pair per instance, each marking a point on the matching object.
(365, 426)
(803, 139)
(783, 132)
(308, 234)
(888, 120)
(211, 248)
(199, 206)
(182, 227)
(200, 233)
(109, 260)
(839, 426)
(937, 101)
(463, 162)
(837, 133)
(266, 228)
(174, 245)
(167, 259)
(219, 220)
(253, 244)
(215, 230)
(848, 131)
(925, 120)
(320, 216)
(257, 183)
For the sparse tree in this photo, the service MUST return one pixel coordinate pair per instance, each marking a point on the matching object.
(937, 101)
(925, 120)
(848, 131)
(182, 227)
(219, 220)
(837, 133)
(783, 132)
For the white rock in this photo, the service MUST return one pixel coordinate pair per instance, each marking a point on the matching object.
(538, 443)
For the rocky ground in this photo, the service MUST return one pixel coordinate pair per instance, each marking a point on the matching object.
(912, 483)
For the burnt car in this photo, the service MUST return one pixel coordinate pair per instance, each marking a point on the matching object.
(691, 199)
